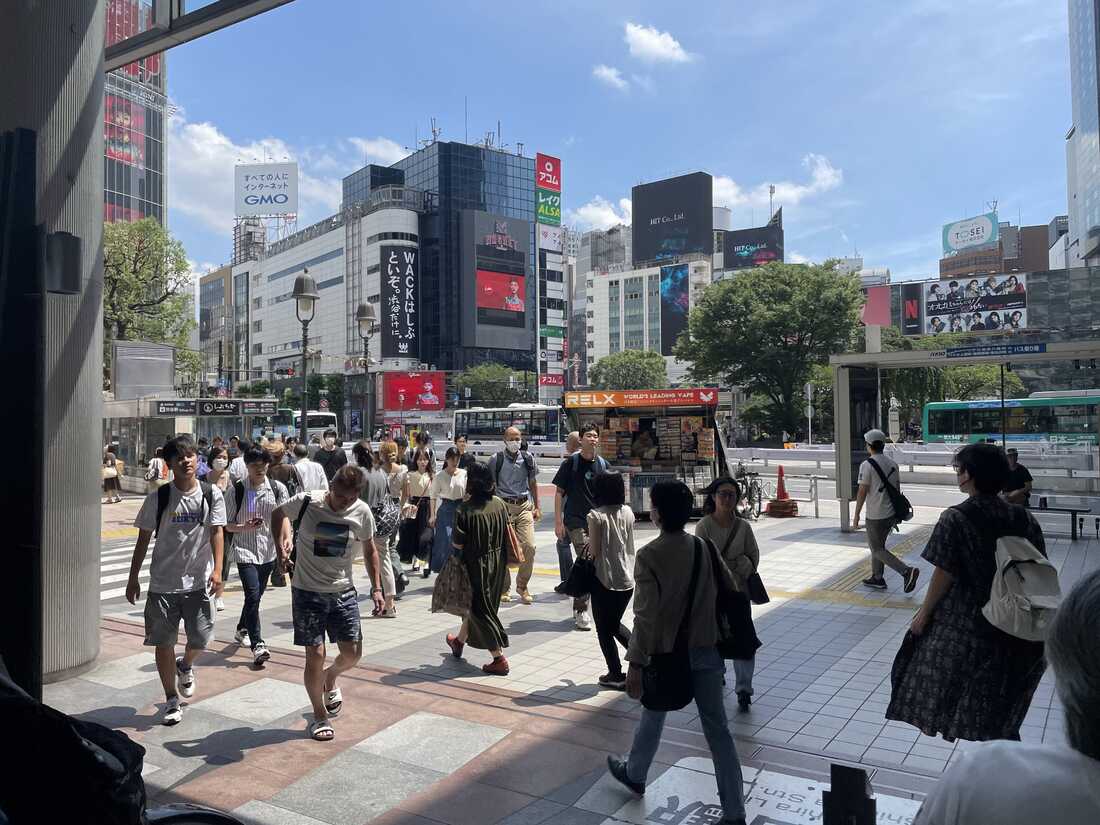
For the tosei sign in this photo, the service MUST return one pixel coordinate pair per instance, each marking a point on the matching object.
(400, 298)
(262, 189)
(981, 230)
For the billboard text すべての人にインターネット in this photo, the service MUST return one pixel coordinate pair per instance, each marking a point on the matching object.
(986, 303)
(501, 299)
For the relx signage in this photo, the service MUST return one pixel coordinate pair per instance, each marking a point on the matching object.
(672, 217)
(400, 301)
(498, 285)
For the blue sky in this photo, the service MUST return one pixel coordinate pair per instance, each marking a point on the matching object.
(876, 121)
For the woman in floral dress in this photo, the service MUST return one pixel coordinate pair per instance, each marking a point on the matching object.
(956, 675)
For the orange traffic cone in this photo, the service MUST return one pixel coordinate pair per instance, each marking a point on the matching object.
(782, 506)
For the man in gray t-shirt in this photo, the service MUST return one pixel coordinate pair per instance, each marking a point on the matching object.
(516, 476)
(329, 527)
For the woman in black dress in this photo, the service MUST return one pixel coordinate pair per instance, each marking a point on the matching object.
(415, 539)
(956, 675)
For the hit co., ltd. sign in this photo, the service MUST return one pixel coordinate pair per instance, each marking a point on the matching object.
(400, 301)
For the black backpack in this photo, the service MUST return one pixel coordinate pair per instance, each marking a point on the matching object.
(165, 493)
(903, 510)
(528, 460)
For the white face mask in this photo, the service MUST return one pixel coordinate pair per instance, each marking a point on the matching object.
(512, 446)
(330, 441)
(220, 464)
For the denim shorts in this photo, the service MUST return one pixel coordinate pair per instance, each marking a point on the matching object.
(163, 612)
(316, 613)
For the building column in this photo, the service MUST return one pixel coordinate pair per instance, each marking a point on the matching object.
(53, 85)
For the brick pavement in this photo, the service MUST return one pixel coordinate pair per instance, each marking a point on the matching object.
(822, 685)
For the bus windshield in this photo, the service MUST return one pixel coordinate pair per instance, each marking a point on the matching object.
(537, 423)
(315, 421)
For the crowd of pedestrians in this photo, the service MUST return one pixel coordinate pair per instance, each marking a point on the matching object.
(286, 518)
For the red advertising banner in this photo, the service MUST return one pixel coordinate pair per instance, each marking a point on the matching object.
(413, 390)
(548, 172)
(498, 290)
(551, 380)
(124, 130)
(706, 397)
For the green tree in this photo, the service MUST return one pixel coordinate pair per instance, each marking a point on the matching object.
(629, 370)
(765, 329)
(493, 385)
(975, 381)
(260, 388)
(148, 294)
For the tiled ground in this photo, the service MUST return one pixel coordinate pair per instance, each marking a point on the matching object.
(427, 738)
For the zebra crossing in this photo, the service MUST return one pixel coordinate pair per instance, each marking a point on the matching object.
(114, 569)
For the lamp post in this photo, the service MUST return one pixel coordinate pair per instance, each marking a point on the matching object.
(364, 317)
(305, 301)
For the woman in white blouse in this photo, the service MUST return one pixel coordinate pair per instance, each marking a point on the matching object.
(447, 490)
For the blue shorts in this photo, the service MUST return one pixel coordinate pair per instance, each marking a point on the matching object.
(316, 613)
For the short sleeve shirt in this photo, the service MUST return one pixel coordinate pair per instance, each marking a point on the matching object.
(183, 558)
(878, 500)
(328, 542)
(516, 474)
(579, 488)
(255, 546)
(1017, 478)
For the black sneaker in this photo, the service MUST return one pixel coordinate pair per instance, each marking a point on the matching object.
(744, 699)
(617, 768)
(560, 589)
(613, 680)
(875, 584)
(911, 576)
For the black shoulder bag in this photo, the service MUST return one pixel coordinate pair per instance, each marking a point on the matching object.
(736, 632)
(903, 510)
(666, 680)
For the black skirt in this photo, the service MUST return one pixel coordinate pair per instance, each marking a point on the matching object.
(415, 536)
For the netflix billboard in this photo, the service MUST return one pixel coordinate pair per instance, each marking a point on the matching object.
(413, 391)
(912, 305)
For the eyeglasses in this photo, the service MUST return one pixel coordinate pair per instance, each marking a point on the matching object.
(726, 494)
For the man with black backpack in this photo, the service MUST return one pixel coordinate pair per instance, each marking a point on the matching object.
(516, 476)
(876, 474)
(187, 517)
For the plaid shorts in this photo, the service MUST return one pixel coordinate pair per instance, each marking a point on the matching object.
(317, 613)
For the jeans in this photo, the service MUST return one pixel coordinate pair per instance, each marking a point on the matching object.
(254, 578)
(578, 537)
(706, 669)
(608, 607)
(743, 670)
(565, 557)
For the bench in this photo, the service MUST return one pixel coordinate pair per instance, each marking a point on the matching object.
(1074, 512)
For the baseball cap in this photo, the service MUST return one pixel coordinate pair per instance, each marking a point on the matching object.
(871, 436)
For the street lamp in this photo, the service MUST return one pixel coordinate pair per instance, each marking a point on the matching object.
(305, 300)
(364, 317)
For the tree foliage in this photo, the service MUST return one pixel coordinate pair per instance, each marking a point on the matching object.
(493, 385)
(147, 293)
(629, 370)
(765, 329)
(333, 384)
(976, 381)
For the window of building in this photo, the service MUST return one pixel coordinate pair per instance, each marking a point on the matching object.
(258, 326)
(257, 303)
(257, 349)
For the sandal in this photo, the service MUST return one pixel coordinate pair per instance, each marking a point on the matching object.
(321, 731)
(334, 701)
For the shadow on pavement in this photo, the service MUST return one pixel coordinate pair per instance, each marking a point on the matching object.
(224, 746)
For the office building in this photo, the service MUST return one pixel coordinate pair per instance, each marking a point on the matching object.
(135, 111)
(1016, 249)
(217, 328)
(1058, 243)
(1082, 149)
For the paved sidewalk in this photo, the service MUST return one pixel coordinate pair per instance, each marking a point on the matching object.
(533, 743)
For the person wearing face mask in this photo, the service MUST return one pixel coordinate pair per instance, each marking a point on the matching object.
(515, 475)
(331, 457)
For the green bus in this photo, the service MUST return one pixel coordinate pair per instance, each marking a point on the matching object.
(1067, 417)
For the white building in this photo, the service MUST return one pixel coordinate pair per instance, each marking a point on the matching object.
(623, 309)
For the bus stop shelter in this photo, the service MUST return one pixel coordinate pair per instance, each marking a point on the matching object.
(857, 403)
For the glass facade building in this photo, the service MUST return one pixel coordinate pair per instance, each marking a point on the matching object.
(134, 120)
(1083, 141)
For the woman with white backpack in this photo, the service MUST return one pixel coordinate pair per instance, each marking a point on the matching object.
(958, 674)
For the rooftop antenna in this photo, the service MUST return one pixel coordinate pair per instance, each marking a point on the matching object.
(466, 115)
(771, 200)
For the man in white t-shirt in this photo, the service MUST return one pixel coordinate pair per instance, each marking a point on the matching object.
(187, 518)
(880, 512)
(238, 470)
(328, 530)
(311, 475)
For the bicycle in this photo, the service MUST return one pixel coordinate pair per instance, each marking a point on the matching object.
(755, 490)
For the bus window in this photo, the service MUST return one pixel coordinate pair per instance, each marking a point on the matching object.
(941, 422)
(1038, 420)
(985, 421)
(1016, 420)
(1074, 419)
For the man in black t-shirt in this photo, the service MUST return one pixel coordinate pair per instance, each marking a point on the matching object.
(573, 499)
(331, 456)
(1017, 486)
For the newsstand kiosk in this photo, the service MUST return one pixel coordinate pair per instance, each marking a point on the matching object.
(653, 435)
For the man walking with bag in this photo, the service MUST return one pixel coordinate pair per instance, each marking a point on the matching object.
(516, 477)
(874, 474)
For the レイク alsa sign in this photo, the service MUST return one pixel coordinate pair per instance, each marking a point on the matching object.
(400, 302)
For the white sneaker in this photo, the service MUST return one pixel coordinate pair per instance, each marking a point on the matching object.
(219, 605)
(173, 713)
(185, 679)
(242, 638)
(260, 654)
(582, 620)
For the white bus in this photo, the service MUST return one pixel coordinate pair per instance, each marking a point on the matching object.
(543, 427)
(317, 421)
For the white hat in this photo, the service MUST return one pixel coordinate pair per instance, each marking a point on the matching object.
(871, 436)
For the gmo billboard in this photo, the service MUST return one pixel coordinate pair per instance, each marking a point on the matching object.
(262, 189)
(672, 217)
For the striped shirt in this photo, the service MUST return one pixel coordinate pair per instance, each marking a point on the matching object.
(255, 546)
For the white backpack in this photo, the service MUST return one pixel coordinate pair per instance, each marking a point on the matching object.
(1025, 594)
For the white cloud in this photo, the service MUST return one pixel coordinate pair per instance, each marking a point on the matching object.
(610, 76)
(654, 46)
(644, 82)
(599, 213)
(796, 258)
(202, 158)
(823, 178)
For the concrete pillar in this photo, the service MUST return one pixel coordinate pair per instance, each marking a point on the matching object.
(52, 83)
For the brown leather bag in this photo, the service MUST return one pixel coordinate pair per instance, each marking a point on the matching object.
(515, 550)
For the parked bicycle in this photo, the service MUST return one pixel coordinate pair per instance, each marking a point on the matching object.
(756, 490)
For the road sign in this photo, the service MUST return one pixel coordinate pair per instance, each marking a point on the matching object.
(259, 407)
(995, 349)
(223, 392)
(220, 407)
(323, 404)
(467, 392)
(176, 407)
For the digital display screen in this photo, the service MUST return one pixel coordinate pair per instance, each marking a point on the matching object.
(501, 299)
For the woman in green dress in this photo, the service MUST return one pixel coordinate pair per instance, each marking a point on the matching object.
(480, 539)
